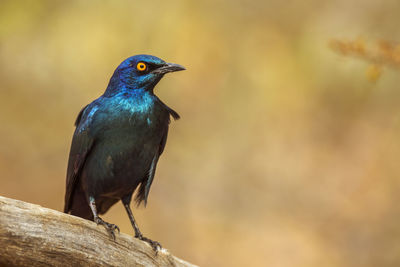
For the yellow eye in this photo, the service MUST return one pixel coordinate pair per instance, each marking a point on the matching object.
(141, 66)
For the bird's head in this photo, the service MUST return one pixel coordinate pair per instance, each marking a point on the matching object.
(141, 72)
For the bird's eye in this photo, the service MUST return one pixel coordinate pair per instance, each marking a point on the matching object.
(141, 66)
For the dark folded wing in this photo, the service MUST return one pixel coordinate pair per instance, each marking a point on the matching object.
(145, 185)
(82, 144)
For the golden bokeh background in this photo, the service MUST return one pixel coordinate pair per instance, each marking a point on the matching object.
(287, 154)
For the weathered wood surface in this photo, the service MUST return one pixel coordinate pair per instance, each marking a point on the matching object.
(31, 235)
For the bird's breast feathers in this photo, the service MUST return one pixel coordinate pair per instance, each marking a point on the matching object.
(122, 111)
(134, 103)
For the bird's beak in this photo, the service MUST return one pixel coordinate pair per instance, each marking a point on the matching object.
(168, 67)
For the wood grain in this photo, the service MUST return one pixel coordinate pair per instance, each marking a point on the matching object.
(31, 235)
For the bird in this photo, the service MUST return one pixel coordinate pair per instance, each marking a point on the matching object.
(117, 143)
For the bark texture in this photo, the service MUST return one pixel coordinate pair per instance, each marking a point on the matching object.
(31, 235)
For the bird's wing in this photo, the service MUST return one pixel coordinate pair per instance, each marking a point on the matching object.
(82, 144)
(171, 112)
(144, 188)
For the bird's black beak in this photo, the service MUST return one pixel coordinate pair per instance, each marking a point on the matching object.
(169, 67)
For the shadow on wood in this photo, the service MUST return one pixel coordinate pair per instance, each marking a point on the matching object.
(31, 235)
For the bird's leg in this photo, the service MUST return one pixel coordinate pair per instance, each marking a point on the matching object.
(109, 226)
(154, 244)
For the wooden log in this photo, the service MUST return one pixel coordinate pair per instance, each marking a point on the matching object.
(31, 235)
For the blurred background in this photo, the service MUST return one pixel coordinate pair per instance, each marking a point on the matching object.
(287, 153)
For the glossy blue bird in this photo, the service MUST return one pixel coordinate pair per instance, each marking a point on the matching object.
(117, 142)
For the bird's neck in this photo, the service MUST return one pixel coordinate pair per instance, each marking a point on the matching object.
(119, 83)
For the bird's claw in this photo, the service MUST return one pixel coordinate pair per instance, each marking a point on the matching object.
(109, 226)
(154, 244)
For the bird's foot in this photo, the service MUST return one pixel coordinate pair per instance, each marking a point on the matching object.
(154, 244)
(109, 226)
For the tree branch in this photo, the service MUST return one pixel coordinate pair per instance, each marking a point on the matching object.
(31, 235)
